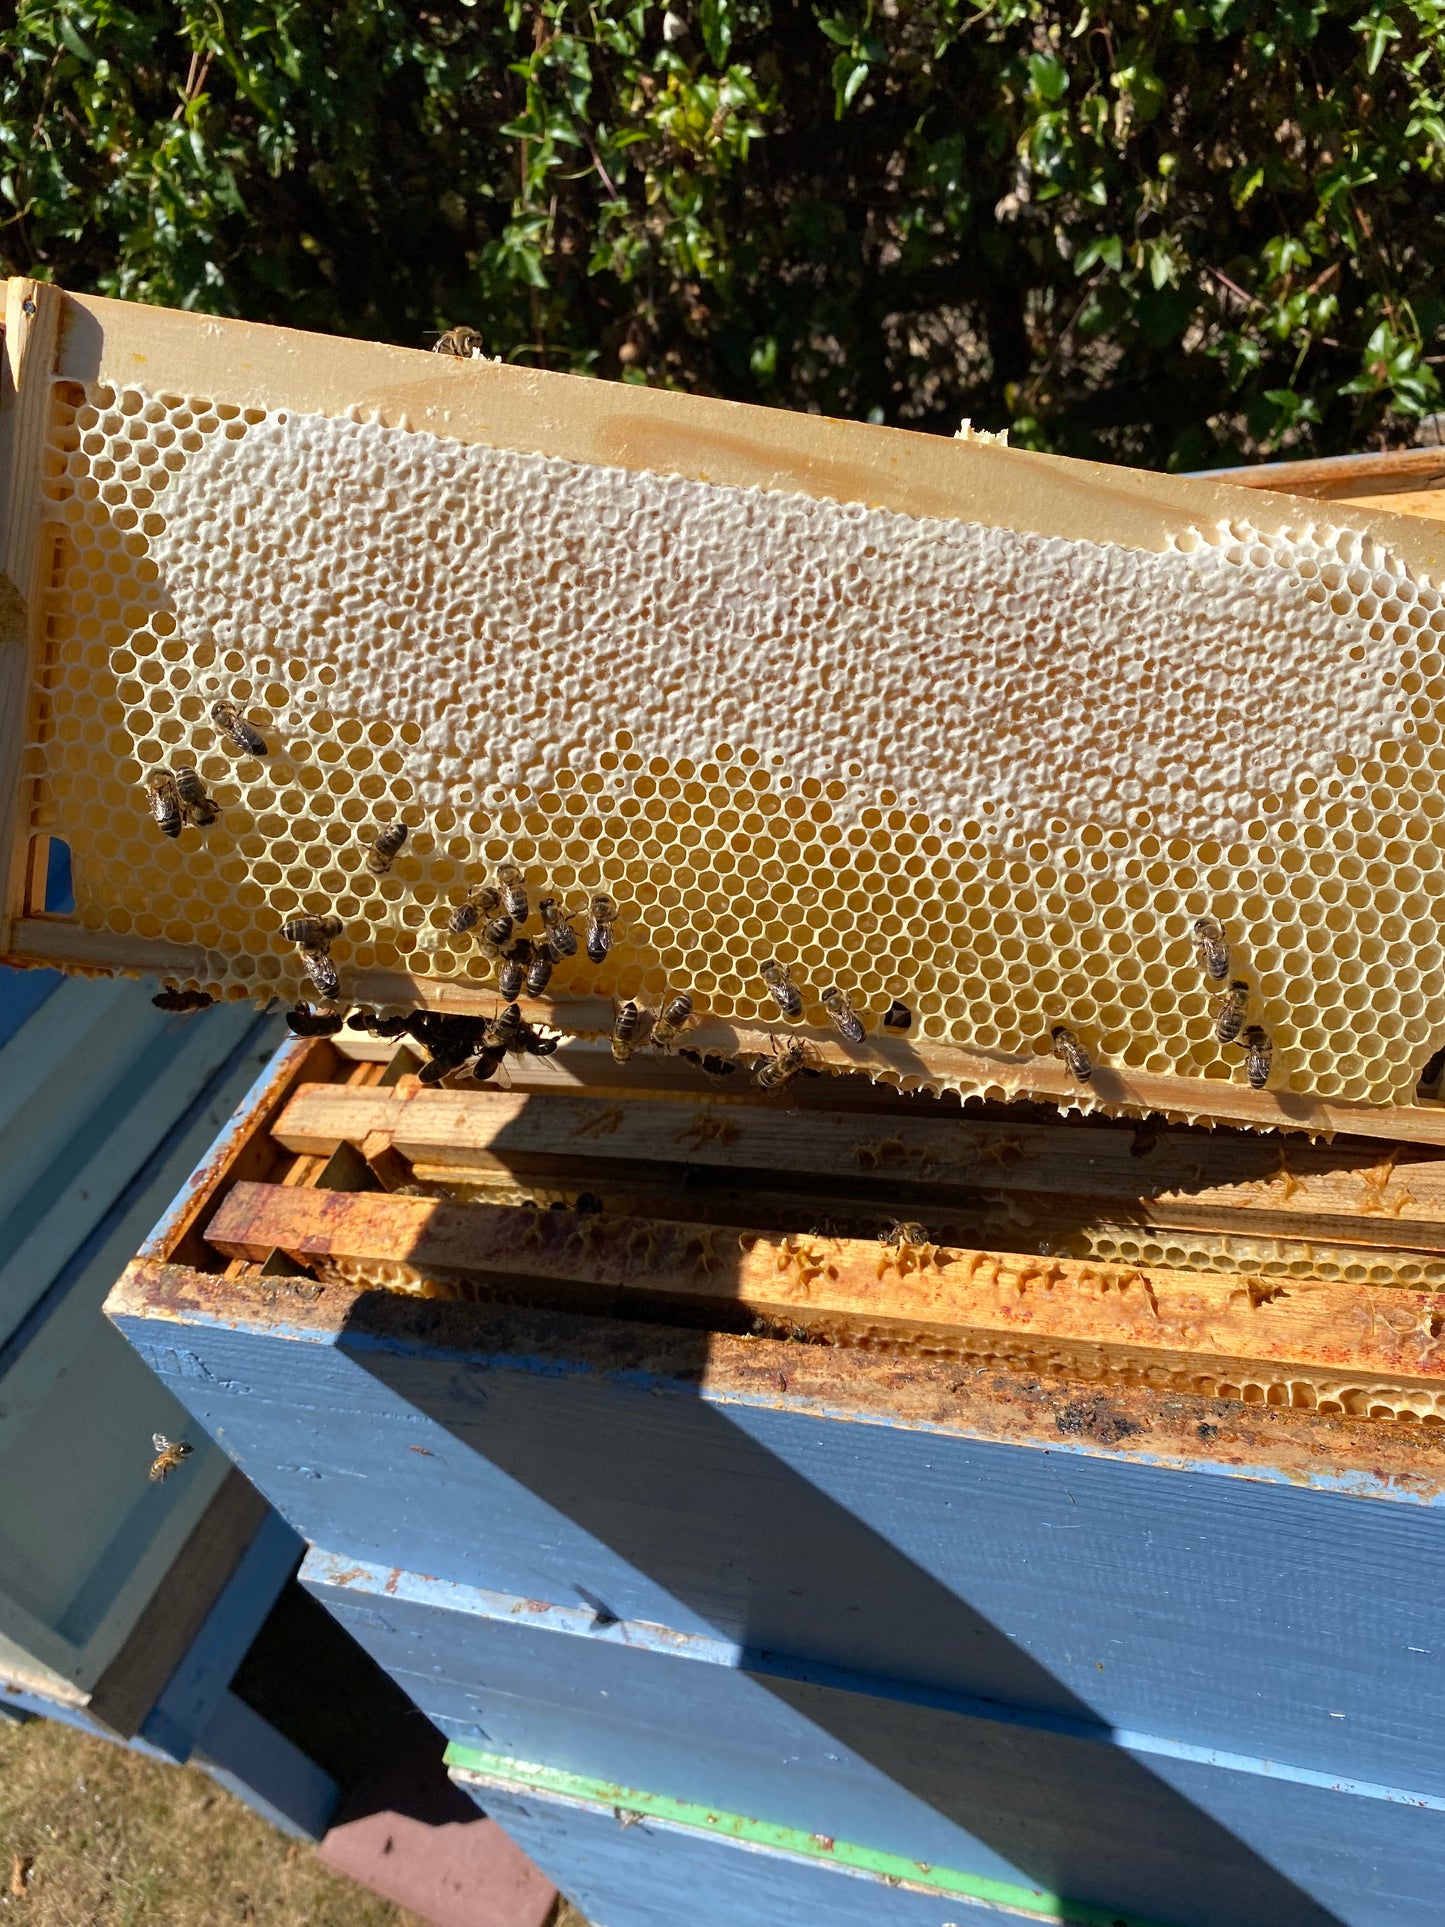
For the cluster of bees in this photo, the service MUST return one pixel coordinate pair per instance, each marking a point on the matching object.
(1212, 949)
(494, 912)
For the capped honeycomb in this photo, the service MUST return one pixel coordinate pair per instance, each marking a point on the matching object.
(993, 773)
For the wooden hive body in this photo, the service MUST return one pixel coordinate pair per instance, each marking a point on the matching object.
(732, 1543)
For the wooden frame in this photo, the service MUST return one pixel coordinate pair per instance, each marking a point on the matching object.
(54, 336)
(346, 1170)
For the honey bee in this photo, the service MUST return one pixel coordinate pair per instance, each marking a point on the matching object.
(1210, 947)
(436, 1068)
(537, 1043)
(172, 999)
(907, 1233)
(505, 1031)
(477, 904)
(463, 342)
(314, 932)
(626, 1030)
(786, 994)
(198, 807)
(320, 969)
(164, 803)
(233, 725)
(1068, 1047)
(601, 916)
(385, 846)
(558, 925)
(539, 970)
(169, 1454)
(897, 1016)
(845, 1020)
(367, 1020)
(513, 968)
(1258, 1056)
(775, 1073)
(673, 1016)
(514, 892)
(304, 1022)
(711, 1063)
(1230, 1020)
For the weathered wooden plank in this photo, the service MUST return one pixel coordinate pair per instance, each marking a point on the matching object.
(917, 1066)
(994, 1791)
(1235, 1575)
(735, 1867)
(32, 329)
(1182, 1181)
(131, 1684)
(90, 1166)
(1308, 1341)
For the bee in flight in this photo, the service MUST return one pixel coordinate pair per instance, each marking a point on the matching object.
(1230, 1020)
(169, 1454)
(1068, 1047)
(841, 1014)
(385, 847)
(786, 994)
(233, 725)
(601, 916)
(164, 803)
(1258, 1056)
(674, 1014)
(1211, 948)
(463, 342)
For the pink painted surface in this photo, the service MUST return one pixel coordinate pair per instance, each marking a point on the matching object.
(411, 1836)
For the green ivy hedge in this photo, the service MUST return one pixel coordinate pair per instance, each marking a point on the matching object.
(1164, 234)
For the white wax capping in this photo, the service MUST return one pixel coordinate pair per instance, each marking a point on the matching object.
(521, 610)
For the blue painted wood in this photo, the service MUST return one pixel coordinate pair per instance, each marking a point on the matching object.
(1129, 1822)
(1230, 1612)
(245, 1753)
(194, 1691)
(22, 992)
(652, 1875)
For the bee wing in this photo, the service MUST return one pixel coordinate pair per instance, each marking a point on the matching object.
(160, 1442)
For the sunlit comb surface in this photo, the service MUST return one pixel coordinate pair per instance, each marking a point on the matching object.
(996, 774)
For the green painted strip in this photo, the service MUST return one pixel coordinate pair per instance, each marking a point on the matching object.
(762, 1833)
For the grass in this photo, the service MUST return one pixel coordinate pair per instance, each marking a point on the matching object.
(95, 1836)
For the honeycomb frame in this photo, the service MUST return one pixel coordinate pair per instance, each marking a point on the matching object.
(831, 832)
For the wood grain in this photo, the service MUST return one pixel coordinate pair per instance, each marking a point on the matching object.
(32, 326)
(1343, 1342)
(1253, 1187)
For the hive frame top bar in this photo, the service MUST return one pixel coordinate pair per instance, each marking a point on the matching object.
(52, 335)
(576, 418)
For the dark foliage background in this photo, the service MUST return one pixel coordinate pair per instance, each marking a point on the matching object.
(1163, 234)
